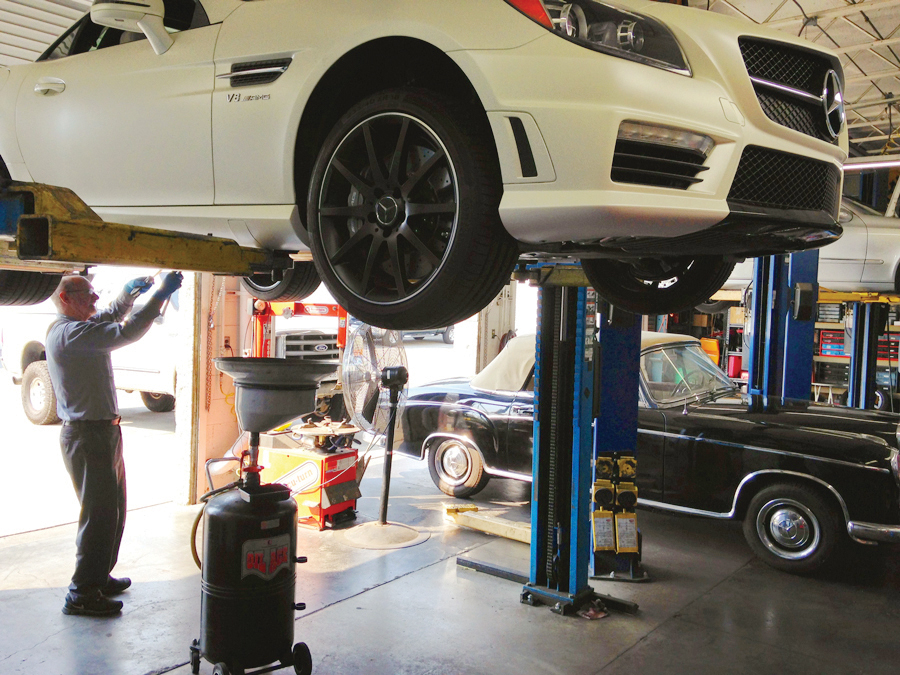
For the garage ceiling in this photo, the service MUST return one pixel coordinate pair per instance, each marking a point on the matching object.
(866, 34)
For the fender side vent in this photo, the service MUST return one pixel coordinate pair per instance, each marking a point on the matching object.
(256, 72)
(658, 165)
(526, 156)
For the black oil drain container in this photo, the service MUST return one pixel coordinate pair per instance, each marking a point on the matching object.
(248, 581)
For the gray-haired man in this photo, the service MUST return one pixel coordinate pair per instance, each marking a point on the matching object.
(79, 343)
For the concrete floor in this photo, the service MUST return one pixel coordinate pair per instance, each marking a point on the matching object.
(711, 607)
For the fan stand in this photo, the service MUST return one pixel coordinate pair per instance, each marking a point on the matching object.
(382, 534)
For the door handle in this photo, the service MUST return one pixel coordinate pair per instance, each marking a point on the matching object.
(47, 86)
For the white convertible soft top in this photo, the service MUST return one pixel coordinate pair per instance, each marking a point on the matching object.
(510, 369)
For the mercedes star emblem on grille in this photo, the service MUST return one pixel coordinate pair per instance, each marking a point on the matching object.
(833, 100)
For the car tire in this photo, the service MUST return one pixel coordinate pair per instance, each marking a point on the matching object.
(38, 397)
(792, 527)
(456, 467)
(448, 335)
(296, 283)
(657, 285)
(26, 288)
(402, 211)
(716, 307)
(158, 403)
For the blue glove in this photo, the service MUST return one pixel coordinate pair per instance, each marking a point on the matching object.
(170, 283)
(137, 286)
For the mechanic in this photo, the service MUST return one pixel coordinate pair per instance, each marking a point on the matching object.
(79, 343)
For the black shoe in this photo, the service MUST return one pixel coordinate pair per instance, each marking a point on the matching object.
(115, 586)
(94, 604)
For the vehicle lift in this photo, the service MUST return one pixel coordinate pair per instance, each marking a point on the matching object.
(585, 432)
(781, 333)
(44, 228)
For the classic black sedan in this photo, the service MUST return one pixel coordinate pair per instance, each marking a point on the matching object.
(802, 480)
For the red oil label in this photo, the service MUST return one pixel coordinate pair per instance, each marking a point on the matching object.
(265, 557)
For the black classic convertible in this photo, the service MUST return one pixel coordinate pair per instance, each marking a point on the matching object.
(803, 480)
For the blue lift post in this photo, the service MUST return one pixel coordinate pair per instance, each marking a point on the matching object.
(563, 451)
(782, 330)
(868, 323)
(616, 555)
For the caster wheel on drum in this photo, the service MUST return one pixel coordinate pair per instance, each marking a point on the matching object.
(302, 659)
(195, 657)
(221, 669)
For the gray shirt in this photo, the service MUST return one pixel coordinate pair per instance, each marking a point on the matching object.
(79, 362)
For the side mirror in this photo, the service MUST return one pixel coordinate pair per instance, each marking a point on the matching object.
(136, 16)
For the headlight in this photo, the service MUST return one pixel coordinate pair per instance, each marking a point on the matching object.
(606, 28)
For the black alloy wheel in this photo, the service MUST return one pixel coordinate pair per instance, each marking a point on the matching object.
(403, 217)
(657, 285)
(295, 284)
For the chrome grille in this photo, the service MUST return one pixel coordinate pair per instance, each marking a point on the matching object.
(784, 181)
(307, 344)
(788, 66)
(658, 165)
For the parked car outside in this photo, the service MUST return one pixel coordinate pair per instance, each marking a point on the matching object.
(409, 156)
(802, 479)
(865, 258)
(446, 333)
(146, 366)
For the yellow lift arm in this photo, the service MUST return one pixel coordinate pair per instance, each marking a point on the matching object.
(54, 229)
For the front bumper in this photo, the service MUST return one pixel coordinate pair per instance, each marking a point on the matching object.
(569, 103)
(874, 532)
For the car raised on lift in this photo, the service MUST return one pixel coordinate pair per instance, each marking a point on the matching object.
(803, 479)
(408, 153)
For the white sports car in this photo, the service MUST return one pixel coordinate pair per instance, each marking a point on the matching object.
(865, 258)
(412, 151)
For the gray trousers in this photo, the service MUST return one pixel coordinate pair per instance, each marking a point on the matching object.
(93, 456)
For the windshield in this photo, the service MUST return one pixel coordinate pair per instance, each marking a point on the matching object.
(678, 372)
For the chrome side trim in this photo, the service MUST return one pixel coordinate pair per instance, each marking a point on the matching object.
(868, 533)
(741, 446)
(509, 474)
(796, 93)
(254, 71)
(737, 495)
(682, 509)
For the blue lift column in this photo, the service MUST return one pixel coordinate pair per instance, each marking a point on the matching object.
(868, 323)
(563, 451)
(782, 329)
(617, 542)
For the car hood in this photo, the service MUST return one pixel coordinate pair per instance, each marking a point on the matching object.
(842, 434)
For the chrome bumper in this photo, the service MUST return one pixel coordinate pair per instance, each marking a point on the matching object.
(870, 532)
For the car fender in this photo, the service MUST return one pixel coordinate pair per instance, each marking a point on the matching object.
(272, 123)
(446, 420)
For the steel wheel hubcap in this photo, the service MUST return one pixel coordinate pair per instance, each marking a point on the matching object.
(37, 395)
(453, 463)
(388, 208)
(788, 529)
